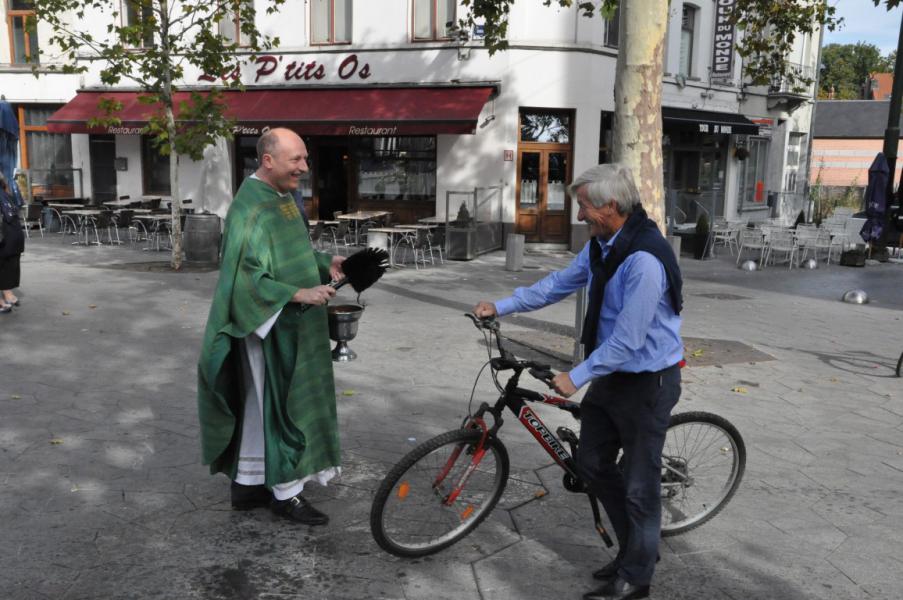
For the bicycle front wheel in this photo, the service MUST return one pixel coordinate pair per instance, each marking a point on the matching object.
(438, 493)
(702, 464)
(900, 366)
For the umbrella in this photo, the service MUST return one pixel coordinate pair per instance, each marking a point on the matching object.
(875, 199)
(214, 191)
(9, 139)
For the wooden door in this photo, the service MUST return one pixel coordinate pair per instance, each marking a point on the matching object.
(542, 206)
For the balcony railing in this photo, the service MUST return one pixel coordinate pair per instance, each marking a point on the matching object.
(800, 84)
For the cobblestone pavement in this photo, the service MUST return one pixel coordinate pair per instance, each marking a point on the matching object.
(104, 496)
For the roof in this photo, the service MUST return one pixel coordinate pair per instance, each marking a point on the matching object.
(881, 86)
(854, 119)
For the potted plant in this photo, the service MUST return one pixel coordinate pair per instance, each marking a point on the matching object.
(701, 237)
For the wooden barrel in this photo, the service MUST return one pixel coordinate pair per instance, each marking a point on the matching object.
(202, 238)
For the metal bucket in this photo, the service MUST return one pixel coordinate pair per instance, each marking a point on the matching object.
(343, 320)
(202, 239)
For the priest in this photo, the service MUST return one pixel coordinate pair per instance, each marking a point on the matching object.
(266, 395)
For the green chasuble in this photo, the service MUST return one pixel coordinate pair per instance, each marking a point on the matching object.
(266, 257)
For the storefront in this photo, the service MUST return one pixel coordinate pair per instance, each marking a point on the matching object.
(696, 148)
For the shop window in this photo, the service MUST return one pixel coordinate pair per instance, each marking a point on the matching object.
(330, 21)
(23, 38)
(47, 156)
(612, 29)
(230, 25)
(137, 19)
(433, 19)
(545, 127)
(752, 173)
(397, 168)
(687, 42)
(155, 167)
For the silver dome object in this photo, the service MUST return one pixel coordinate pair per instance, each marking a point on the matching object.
(749, 265)
(856, 297)
(809, 263)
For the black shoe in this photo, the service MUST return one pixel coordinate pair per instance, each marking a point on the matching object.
(299, 510)
(246, 497)
(618, 589)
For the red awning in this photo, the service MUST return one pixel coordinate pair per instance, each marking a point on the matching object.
(336, 111)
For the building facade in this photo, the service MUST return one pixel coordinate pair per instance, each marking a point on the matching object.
(402, 114)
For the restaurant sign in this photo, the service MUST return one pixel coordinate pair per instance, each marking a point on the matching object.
(268, 68)
(723, 43)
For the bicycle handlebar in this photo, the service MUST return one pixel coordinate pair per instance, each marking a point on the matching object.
(540, 371)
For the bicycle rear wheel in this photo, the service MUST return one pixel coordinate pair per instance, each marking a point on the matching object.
(703, 461)
(900, 366)
(422, 507)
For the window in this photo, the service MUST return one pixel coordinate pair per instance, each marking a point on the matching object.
(545, 127)
(138, 17)
(794, 148)
(23, 39)
(606, 127)
(330, 21)
(433, 19)
(155, 167)
(613, 29)
(397, 168)
(230, 25)
(687, 31)
(48, 156)
(752, 173)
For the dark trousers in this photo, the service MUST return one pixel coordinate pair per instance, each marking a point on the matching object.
(629, 411)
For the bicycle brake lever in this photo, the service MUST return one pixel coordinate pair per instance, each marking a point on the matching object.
(544, 375)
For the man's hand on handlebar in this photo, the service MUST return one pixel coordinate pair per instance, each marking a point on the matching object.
(484, 310)
(562, 384)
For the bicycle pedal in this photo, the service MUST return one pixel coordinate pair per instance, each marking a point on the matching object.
(567, 435)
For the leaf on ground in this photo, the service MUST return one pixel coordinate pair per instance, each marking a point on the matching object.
(739, 389)
(539, 493)
(56, 442)
(697, 353)
(16, 397)
(348, 392)
(92, 306)
(66, 313)
(74, 488)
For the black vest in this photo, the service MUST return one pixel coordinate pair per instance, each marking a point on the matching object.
(639, 233)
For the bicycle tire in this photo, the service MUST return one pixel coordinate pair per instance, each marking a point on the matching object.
(395, 527)
(682, 471)
(900, 366)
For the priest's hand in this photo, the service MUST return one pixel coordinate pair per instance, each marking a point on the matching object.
(317, 296)
(484, 309)
(563, 385)
(335, 267)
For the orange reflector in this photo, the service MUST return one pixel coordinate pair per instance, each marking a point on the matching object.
(403, 490)
(467, 512)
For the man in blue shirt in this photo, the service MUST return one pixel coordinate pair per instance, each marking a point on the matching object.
(632, 349)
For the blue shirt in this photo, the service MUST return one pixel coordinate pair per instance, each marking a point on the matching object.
(638, 329)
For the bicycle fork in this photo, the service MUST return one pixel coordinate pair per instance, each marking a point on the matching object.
(476, 423)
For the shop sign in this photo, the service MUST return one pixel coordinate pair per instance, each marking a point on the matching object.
(723, 43)
(765, 124)
(273, 67)
(712, 128)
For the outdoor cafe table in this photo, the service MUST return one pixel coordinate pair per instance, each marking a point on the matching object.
(357, 217)
(83, 215)
(432, 220)
(384, 238)
(121, 203)
(65, 207)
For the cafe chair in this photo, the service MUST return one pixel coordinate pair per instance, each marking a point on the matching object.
(316, 235)
(32, 217)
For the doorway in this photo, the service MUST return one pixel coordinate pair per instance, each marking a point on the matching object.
(102, 153)
(332, 169)
(542, 207)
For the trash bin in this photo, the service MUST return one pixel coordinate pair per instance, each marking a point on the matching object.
(201, 239)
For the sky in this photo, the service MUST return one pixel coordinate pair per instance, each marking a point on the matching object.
(865, 22)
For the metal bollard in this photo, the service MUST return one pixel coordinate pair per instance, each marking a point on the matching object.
(514, 252)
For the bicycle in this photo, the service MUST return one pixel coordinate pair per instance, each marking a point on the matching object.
(443, 489)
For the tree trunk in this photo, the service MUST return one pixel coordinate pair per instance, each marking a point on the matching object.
(176, 206)
(637, 128)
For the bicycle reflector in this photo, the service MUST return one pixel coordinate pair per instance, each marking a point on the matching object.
(403, 490)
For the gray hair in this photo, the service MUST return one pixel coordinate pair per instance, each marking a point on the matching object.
(608, 182)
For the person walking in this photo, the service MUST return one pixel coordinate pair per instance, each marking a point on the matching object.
(266, 395)
(12, 245)
(632, 344)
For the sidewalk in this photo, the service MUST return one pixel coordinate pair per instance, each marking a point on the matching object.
(105, 497)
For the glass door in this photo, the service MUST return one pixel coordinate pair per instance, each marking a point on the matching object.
(542, 207)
